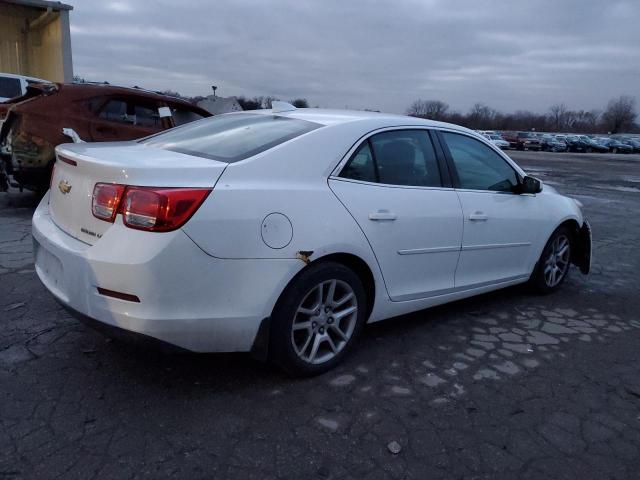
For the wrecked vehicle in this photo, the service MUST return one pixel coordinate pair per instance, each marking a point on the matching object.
(12, 86)
(284, 231)
(32, 125)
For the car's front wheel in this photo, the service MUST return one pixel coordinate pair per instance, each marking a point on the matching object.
(317, 319)
(553, 266)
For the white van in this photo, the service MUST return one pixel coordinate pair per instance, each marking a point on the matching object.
(12, 86)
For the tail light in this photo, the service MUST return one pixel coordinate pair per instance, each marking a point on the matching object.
(147, 208)
(106, 198)
(160, 209)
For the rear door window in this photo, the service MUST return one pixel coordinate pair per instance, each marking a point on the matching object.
(115, 111)
(361, 166)
(10, 87)
(397, 157)
(131, 112)
(146, 116)
(231, 137)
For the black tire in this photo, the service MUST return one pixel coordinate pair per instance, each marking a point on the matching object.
(281, 344)
(614, 150)
(537, 280)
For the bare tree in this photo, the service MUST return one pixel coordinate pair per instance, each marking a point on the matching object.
(300, 103)
(481, 116)
(620, 114)
(249, 103)
(432, 109)
(266, 102)
(585, 121)
(558, 114)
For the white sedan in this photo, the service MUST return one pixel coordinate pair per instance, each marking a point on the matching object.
(498, 141)
(284, 231)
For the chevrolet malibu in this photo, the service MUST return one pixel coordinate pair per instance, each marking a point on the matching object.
(282, 232)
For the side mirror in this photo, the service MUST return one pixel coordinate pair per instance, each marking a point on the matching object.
(530, 185)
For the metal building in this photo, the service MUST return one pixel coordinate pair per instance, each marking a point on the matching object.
(35, 39)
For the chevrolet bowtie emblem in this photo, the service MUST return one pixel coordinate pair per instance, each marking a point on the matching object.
(64, 187)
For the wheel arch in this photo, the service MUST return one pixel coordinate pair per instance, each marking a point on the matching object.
(574, 227)
(359, 266)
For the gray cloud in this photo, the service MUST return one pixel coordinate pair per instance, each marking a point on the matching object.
(368, 54)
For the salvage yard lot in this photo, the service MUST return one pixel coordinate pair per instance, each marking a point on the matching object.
(508, 384)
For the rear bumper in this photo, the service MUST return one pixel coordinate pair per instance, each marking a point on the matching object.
(187, 298)
(123, 334)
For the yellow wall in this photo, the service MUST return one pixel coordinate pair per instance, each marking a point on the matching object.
(37, 51)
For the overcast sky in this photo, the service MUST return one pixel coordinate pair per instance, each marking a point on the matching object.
(509, 54)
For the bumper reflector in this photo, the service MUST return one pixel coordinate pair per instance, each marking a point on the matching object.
(119, 295)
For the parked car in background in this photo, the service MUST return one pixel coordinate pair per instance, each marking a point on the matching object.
(12, 86)
(549, 143)
(583, 143)
(522, 140)
(284, 231)
(632, 142)
(563, 139)
(615, 146)
(33, 123)
(575, 143)
(497, 140)
(592, 145)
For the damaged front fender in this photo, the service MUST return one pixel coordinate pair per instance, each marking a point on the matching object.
(583, 249)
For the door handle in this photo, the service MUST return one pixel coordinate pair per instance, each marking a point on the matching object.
(382, 215)
(478, 217)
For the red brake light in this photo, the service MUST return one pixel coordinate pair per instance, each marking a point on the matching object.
(106, 198)
(160, 209)
(147, 208)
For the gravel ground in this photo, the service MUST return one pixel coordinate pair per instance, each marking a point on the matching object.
(506, 385)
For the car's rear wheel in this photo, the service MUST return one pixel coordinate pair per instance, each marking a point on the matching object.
(552, 268)
(317, 319)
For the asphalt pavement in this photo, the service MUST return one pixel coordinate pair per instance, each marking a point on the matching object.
(505, 385)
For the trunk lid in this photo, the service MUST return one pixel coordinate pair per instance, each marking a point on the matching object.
(80, 166)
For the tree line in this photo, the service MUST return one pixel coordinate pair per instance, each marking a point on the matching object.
(619, 116)
(258, 103)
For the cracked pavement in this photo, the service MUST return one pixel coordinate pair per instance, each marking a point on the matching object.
(506, 385)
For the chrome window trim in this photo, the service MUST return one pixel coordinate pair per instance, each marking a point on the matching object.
(388, 185)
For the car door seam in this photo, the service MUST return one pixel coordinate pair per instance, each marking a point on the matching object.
(364, 235)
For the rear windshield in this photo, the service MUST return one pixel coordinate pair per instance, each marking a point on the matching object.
(231, 137)
(10, 87)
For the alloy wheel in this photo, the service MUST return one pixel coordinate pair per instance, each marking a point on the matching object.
(324, 321)
(557, 262)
